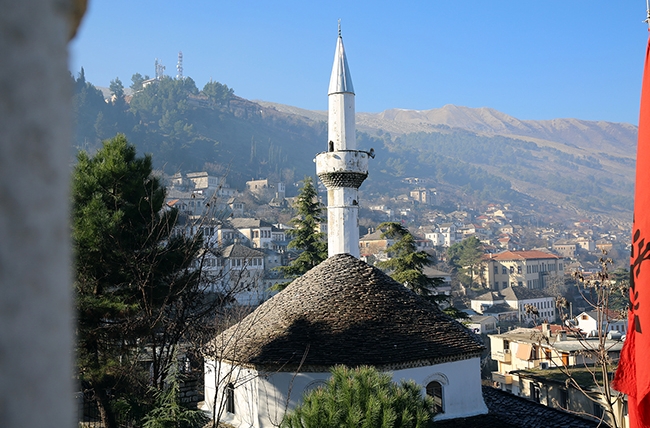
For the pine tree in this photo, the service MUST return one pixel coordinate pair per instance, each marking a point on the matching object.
(466, 256)
(132, 279)
(363, 398)
(406, 263)
(306, 237)
(168, 411)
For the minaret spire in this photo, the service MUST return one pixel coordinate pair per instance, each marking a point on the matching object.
(342, 168)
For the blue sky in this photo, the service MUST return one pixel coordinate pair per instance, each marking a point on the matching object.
(532, 60)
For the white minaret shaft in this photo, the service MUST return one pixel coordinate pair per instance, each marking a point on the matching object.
(342, 168)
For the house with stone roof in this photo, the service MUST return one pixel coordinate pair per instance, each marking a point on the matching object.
(237, 271)
(343, 311)
(516, 300)
(258, 232)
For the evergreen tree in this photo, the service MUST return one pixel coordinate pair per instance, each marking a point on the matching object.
(306, 237)
(362, 398)
(169, 412)
(117, 88)
(466, 257)
(133, 279)
(406, 266)
(406, 263)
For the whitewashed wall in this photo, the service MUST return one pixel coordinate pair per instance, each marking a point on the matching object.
(261, 397)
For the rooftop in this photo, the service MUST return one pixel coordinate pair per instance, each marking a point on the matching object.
(240, 251)
(523, 293)
(521, 255)
(509, 411)
(345, 311)
(246, 223)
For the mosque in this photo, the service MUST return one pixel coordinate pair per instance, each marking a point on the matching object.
(343, 311)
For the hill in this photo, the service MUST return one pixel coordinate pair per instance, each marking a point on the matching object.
(470, 155)
(578, 165)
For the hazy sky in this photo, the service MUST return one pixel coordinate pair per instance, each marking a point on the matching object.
(530, 59)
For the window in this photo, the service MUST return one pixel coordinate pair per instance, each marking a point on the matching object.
(547, 354)
(505, 284)
(519, 269)
(598, 410)
(512, 269)
(520, 283)
(230, 398)
(506, 345)
(504, 270)
(534, 392)
(496, 269)
(434, 390)
(563, 398)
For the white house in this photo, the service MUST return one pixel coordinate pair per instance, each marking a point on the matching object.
(236, 271)
(588, 321)
(530, 305)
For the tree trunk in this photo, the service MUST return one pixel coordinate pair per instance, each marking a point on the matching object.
(105, 411)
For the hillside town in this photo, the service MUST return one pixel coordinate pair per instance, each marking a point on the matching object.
(452, 268)
(527, 325)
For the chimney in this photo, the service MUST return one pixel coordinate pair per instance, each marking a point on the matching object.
(546, 330)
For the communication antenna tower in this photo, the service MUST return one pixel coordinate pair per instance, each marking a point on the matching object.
(160, 70)
(179, 66)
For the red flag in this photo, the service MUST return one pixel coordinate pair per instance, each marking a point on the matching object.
(633, 372)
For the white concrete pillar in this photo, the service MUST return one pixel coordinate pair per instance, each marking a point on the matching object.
(36, 357)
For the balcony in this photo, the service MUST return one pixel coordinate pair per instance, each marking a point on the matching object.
(504, 379)
(502, 356)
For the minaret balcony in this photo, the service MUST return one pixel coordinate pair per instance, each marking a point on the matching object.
(342, 168)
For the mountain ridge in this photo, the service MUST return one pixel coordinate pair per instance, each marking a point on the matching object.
(618, 137)
(470, 155)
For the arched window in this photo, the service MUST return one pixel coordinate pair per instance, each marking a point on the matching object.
(230, 398)
(434, 390)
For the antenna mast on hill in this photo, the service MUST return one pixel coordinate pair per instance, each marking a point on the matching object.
(179, 66)
(160, 70)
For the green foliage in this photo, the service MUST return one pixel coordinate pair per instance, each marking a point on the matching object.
(116, 88)
(168, 411)
(306, 236)
(456, 156)
(466, 257)
(218, 93)
(406, 264)
(362, 398)
(132, 279)
(136, 82)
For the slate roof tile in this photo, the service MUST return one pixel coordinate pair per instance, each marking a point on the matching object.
(345, 311)
(509, 411)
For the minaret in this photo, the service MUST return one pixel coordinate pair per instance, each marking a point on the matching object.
(342, 168)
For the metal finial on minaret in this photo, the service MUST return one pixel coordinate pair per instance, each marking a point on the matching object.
(342, 168)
